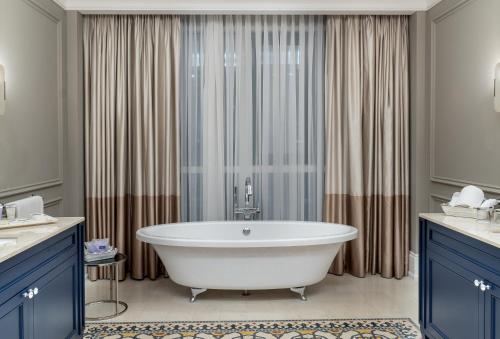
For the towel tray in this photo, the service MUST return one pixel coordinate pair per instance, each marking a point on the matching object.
(465, 212)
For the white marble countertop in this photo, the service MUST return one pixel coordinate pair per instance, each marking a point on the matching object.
(480, 230)
(27, 237)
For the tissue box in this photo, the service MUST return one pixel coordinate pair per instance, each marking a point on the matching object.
(110, 254)
(99, 249)
(98, 245)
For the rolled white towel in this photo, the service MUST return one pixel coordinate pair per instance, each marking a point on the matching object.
(489, 203)
(28, 206)
(455, 199)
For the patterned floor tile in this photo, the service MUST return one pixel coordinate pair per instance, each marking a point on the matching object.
(282, 329)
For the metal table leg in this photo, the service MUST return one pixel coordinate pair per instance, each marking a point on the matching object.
(116, 288)
(113, 296)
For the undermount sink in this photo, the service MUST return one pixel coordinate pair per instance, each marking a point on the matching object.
(8, 241)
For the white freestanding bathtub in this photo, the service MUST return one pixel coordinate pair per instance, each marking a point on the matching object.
(247, 255)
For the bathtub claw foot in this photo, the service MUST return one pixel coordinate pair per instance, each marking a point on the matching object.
(195, 292)
(301, 291)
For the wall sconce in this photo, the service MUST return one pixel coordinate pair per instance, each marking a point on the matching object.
(2, 90)
(496, 92)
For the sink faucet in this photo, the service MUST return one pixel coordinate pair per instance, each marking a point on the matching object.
(249, 211)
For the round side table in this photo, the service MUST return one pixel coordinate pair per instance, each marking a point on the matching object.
(112, 266)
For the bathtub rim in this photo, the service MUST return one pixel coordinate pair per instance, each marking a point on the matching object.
(247, 243)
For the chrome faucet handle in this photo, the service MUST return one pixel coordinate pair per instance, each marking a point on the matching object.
(247, 212)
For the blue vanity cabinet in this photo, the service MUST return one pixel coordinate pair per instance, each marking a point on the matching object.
(458, 285)
(53, 272)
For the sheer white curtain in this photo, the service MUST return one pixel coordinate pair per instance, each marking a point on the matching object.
(252, 105)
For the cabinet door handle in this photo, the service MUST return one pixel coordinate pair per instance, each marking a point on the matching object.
(484, 287)
(478, 283)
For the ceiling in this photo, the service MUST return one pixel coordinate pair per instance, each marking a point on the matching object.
(249, 6)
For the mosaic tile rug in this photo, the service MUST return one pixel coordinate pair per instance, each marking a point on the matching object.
(283, 329)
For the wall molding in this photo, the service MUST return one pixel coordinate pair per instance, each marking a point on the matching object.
(31, 187)
(440, 199)
(250, 6)
(461, 183)
(58, 180)
(52, 202)
(450, 11)
(456, 182)
(42, 10)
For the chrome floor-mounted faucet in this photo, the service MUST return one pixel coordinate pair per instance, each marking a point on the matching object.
(249, 211)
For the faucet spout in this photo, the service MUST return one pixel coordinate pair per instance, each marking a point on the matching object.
(248, 191)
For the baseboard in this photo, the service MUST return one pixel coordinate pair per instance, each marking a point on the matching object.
(413, 270)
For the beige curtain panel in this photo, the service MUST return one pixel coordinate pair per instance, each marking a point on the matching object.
(367, 141)
(131, 71)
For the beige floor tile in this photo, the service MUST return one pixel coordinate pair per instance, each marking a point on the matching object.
(335, 297)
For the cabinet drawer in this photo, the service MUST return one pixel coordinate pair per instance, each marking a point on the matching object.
(483, 256)
(18, 272)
